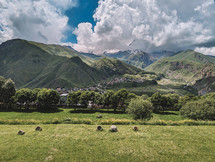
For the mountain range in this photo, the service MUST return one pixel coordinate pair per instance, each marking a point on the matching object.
(189, 67)
(31, 64)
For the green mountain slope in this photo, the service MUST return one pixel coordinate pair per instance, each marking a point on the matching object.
(32, 65)
(138, 59)
(109, 67)
(187, 67)
(63, 51)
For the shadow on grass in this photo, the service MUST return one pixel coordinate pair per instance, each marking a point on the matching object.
(84, 111)
(166, 113)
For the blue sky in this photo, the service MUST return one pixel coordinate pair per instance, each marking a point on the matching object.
(148, 25)
(83, 12)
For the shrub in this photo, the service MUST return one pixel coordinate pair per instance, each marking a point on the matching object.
(140, 109)
(203, 109)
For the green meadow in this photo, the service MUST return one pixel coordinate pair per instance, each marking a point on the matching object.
(66, 142)
(70, 135)
(86, 116)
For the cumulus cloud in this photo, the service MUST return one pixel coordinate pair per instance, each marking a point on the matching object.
(148, 25)
(37, 20)
(206, 51)
(64, 4)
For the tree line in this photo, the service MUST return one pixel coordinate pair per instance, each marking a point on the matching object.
(139, 107)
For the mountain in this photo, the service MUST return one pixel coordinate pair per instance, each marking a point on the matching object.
(162, 54)
(32, 64)
(110, 67)
(65, 51)
(136, 58)
(187, 67)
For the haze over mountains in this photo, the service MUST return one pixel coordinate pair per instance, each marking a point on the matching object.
(32, 64)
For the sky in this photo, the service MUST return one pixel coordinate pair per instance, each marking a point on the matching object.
(100, 26)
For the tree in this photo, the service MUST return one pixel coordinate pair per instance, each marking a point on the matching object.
(8, 91)
(140, 109)
(35, 92)
(2, 82)
(73, 98)
(172, 101)
(203, 109)
(159, 102)
(24, 96)
(108, 98)
(121, 96)
(48, 98)
(99, 99)
(85, 98)
(186, 98)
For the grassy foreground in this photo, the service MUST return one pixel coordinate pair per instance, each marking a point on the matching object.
(84, 143)
(32, 117)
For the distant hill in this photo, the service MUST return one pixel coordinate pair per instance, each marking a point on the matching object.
(110, 67)
(188, 67)
(136, 58)
(162, 54)
(32, 64)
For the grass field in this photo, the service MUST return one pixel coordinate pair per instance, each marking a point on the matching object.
(83, 143)
(32, 117)
(78, 117)
(86, 113)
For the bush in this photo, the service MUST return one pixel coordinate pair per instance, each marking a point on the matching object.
(140, 109)
(203, 109)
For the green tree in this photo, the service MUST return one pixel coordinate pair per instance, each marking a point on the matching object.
(35, 92)
(8, 91)
(120, 97)
(140, 109)
(2, 82)
(99, 99)
(73, 98)
(186, 98)
(172, 101)
(203, 109)
(24, 96)
(85, 98)
(108, 98)
(159, 102)
(48, 98)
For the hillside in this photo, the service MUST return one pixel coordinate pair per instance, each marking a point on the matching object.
(136, 58)
(32, 65)
(186, 67)
(64, 51)
(109, 67)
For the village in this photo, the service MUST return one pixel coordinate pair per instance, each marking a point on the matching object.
(101, 87)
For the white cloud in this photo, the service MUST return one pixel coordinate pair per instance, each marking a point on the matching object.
(148, 25)
(36, 20)
(64, 4)
(206, 51)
